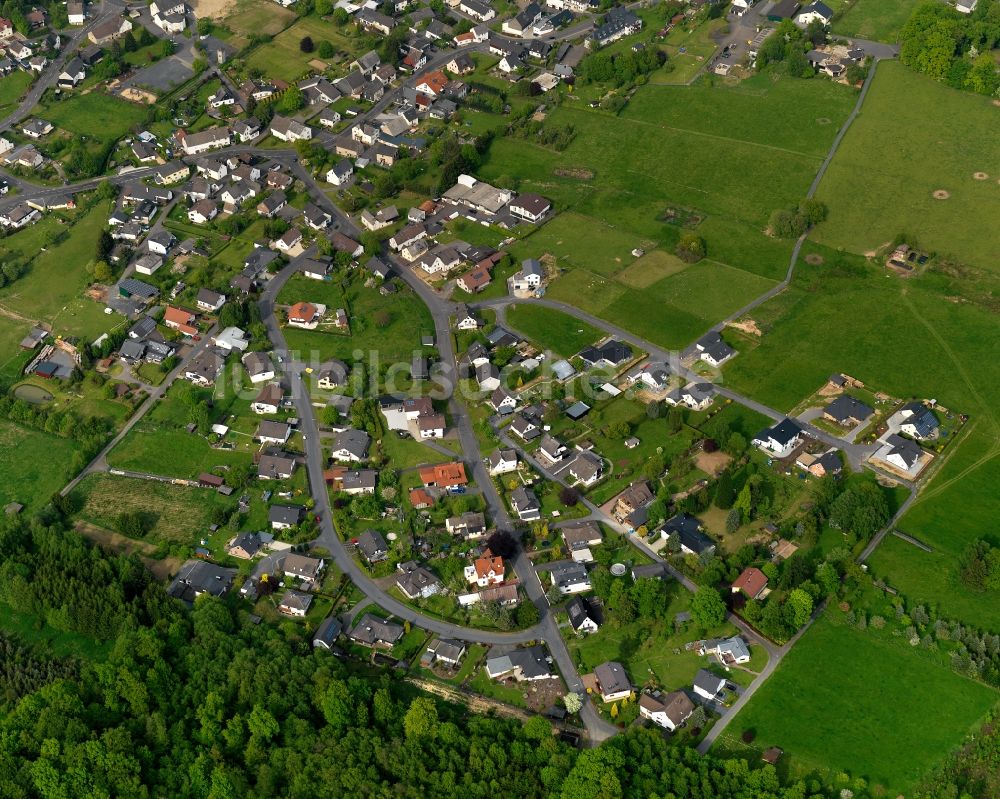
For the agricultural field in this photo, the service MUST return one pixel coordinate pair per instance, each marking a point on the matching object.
(33, 465)
(873, 19)
(622, 184)
(959, 506)
(834, 696)
(553, 330)
(177, 514)
(881, 184)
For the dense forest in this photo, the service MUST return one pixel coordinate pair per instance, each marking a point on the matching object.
(206, 704)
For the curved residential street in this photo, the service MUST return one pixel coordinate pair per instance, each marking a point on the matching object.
(441, 310)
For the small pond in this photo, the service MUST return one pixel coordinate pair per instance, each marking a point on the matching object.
(36, 395)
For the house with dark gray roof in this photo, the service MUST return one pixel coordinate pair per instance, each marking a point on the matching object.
(847, 411)
(372, 546)
(371, 631)
(197, 577)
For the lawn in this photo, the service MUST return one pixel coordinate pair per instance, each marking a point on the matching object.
(834, 696)
(94, 115)
(394, 343)
(12, 88)
(881, 183)
(552, 330)
(35, 632)
(179, 515)
(874, 19)
(258, 17)
(33, 465)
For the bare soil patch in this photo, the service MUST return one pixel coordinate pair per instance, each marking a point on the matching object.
(980, 176)
(748, 326)
(578, 174)
(941, 194)
(114, 542)
(712, 463)
(213, 9)
(814, 259)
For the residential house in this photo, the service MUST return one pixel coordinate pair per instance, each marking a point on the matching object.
(276, 467)
(197, 577)
(331, 374)
(416, 582)
(247, 129)
(109, 30)
(503, 401)
(570, 578)
(210, 301)
(327, 633)
(900, 453)
(291, 130)
(372, 546)
(919, 421)
(586, 468)
(488, 569)
(203, 141)
(669, 711)
(780, 439)
(729, 651)
(271, 432)
(525, 664)
(613, 683)
(580, 537)
(444, 475)
(708, 685)
(618, 22)
(752, 582)
(244, 546)
(294, 603)
(282, 517)
(814, 12)
(73, 74)
(581, 617)
(711, 349)
(611, 353)
(475, 280)
(470, 525)
(203, 211)
(305, 315)
(181, 320)
(302, 567)
(502, 461)
(689, 532)
(530, 207)
(351, 445)
(268, 400)
(847, 411)
(443, 650)
(524, 428)
(373, 632)
(525, 504)
(341, 173)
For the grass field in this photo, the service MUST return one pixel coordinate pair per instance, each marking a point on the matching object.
(881, 183)
(671, 312)
(394, 343)
(832, 700)
(959, 506)
(94, 115)
(553, 330)
(282, 58)
(52, 289)
(181, 514)
(11, 89)
(33, 465)
(874, 19)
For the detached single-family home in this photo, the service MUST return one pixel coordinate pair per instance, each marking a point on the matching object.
(268, 401)
(919, 421)
(688, 530)
(711, 349)
(570, 578)
(341, 173)
(780, 439)
(708, 685)
(376, 633)
(525, 504)
(276, 467)
(281, 517)
(244, 546)
(669, 711)
(752, 582)
(372, 546)
(613, 683)
(502, 461)
(259, 367)
(530, 207)
(847, 411)
(210, 301)
(305, 315)
(581, 617)
(416, 581)
(729, 651)
(294, 603)
(72, 74)
(814, 12)
(470, 525)
(351, 445)
(287, 129)
(205, 368)
(527, 664)
(488, 569)
(443, 650)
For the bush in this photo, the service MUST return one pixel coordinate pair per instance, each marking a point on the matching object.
(691, 248)
(306, 44)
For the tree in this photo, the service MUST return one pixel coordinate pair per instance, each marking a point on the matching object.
(340, 17)
(292, 99)
(322, 7)
(421, 720)
(733, 520)
(691, 248)
(619, 429)
(205, 26)
(725, 493)
(325, 49)
(306, 44)
(502, 543)
(382, 318)
(707, 608)
(801, 605)
(573, 703)
(569, 496)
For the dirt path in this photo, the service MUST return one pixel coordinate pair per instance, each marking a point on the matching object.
(113, 542)
(16, 316)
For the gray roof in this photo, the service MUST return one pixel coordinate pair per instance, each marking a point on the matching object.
(846, 407)
(327, 632)
(531, 661)
(579, 612)
(295, 600)
(372, 545)
(354, 441)
(612, 678)
(708, 682)
(371, 629)
(199, 577)
(284, 514)
(566, 574)
(908, 450)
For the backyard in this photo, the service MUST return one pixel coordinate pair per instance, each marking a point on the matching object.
(835, 694)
